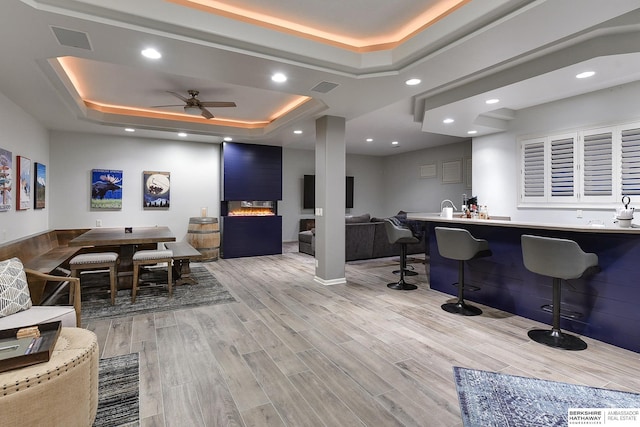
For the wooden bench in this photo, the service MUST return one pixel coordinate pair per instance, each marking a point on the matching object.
(183, 253)
(46, 252)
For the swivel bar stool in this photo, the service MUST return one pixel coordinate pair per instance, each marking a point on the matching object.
(403, 236)
(459, 244)
(560, 259)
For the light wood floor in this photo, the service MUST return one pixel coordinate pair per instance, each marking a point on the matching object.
(292, 352)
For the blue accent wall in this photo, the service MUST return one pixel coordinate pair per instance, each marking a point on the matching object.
(251, 172)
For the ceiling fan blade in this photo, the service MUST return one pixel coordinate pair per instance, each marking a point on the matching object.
(217, 104)
(206, 113)
(177, 95)
(160, 106)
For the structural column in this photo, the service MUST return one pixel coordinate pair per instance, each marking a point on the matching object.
(330, 200)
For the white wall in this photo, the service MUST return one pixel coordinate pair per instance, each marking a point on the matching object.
(367, 193)
(195, 180)
(23, 136)
(404, 189)
(498, 185)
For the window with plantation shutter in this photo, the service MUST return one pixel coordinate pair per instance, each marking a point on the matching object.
(562, 166)
(597, 165)
(533, 169)
(590, 168)
(630, 162)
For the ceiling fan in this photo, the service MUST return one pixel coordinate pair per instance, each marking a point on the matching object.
(193, 106)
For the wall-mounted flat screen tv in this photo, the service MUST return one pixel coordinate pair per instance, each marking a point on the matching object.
(309, 192)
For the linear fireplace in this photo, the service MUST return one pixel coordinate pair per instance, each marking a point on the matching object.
(250, 208)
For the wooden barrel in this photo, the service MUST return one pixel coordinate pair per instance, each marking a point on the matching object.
(204, 235)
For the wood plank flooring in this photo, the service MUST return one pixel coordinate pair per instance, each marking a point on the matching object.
(292, 352)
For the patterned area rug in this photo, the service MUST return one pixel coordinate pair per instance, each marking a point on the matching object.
(490, 399)
(153, 296)
(118, 400)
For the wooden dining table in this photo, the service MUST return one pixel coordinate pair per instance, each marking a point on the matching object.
(127, 240)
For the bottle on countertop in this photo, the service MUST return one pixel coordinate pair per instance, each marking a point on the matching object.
(484, 212)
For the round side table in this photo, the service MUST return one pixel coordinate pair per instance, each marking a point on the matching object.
(60, 392)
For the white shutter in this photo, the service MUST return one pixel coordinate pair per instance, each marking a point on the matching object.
(563, 164)
(533, 169)
(597, 165)
(630, 162)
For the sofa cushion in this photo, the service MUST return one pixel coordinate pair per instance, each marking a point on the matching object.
(358, 219)
(14, 290)
(40, 314)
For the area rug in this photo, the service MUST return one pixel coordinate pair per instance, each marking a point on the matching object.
(490, 399)
(96, 303)
(118, 394)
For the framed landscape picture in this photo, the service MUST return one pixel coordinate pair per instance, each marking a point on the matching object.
(156, 190)
(106, 189)
(6, 173)
(23, 199)
(40, 185)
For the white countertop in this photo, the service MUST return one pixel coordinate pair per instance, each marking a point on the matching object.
(429, 216)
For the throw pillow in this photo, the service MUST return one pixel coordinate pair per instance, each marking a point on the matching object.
(14, 291)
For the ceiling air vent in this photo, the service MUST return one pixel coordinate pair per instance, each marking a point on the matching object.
(324, 87)
(72, 38)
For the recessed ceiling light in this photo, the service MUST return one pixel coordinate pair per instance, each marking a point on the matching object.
(585, 74)
(492, 101)
(472, 132)
(297, 132)
(151, 53)
(129, 130)
(395, 143)
(413, 82)
(279, 78)
(447, 121)
(369, 139)
(228, 138)
(182, 134)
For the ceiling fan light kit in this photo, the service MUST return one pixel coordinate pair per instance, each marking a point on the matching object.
(192, 110)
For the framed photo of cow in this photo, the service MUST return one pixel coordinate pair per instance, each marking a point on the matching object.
(106, 189)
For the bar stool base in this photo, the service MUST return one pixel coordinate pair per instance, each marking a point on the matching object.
(461, 308)
(402, 286)
(406, 272)
(557, 339)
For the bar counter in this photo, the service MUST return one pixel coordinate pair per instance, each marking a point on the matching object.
(608, 299)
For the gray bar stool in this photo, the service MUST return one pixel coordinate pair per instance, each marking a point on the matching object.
(97, 261)
(151, 257)
(560, 259)
(402, 236)
(459, 244)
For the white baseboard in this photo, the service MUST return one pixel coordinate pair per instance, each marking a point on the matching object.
(339, 281)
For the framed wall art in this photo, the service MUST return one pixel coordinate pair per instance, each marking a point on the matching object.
(23, 196)
(452, 172)
(40, 185)
(6, 173)
(106, 189)
(156, 190)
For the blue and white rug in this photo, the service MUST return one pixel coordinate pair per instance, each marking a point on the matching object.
(489, 399)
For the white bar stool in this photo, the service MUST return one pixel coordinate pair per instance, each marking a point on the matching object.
(96, 261)
(151, 257)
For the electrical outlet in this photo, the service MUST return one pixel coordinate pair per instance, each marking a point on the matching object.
(579, 213)
(318, 211)
(98, 223)
(316, 263)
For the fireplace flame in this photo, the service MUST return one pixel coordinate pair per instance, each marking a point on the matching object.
(253, 211)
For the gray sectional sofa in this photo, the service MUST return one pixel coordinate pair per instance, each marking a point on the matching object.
(365, 238)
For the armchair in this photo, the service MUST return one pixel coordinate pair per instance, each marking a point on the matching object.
(35, 313)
